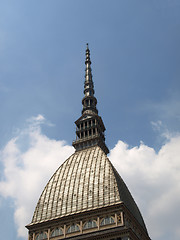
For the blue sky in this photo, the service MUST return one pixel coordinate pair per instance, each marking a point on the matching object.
(135, 57)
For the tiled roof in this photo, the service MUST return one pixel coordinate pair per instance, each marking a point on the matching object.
(86, 180)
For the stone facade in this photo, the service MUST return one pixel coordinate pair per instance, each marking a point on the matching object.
(114, 222)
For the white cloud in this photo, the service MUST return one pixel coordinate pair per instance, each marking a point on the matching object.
(31, 158)
(29, 161)
(154, 181)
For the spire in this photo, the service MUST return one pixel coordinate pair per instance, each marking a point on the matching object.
(89, 101)
(89, 127)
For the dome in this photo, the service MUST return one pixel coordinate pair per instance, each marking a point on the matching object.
(85, 181)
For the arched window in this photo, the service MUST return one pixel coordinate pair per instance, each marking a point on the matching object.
(73, 228)
(107, 220)
(90, 224)
(56, 232)
(41, 236)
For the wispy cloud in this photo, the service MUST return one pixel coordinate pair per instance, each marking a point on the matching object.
(167, 111)
(38, 120)
(162, 130)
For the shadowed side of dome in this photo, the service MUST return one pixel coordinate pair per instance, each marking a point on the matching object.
(127, 199)
(85, 181)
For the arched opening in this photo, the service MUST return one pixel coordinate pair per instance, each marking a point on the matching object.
(56, 232)
(90, 224)
(41, 236)
(107, 220)
(73, 228)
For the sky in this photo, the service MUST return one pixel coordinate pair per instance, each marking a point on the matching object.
(135, 56)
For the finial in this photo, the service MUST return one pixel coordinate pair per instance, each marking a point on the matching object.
(87, 55)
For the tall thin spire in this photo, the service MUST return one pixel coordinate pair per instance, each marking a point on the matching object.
(89, 127)
(89, 101)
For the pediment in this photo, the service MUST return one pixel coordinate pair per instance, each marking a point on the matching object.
(84, 117)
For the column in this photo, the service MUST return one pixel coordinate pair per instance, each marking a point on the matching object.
(64, 230)
(98, 223)
(116, 219)
(48, 233)
(81, 226)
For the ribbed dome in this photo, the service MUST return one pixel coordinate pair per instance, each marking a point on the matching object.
(85, 181)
